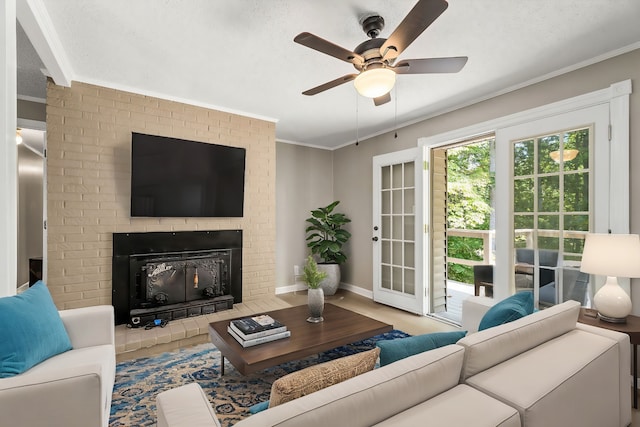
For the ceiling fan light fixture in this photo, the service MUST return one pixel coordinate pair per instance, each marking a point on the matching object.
(375, 82)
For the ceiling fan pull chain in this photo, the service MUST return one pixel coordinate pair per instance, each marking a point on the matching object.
(395, 117)
(357, 123)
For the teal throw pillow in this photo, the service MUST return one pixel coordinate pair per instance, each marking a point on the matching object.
(394, 350)
(509, 309)
(259, 407)
(31, 330)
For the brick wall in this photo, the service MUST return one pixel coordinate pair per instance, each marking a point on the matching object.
(88, 178)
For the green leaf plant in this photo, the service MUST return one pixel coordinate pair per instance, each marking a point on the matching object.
(311, 275)
(325, 235)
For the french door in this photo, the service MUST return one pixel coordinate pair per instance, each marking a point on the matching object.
(556, 173)
(398, 230)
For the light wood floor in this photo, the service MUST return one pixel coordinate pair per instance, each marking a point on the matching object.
(406, 322)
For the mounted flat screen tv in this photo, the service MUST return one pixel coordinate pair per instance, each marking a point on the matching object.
(176, 178)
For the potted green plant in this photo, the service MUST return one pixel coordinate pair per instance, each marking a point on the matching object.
(325, 238)
(315, 296)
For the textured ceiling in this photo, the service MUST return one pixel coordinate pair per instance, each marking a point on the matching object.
(239, 55)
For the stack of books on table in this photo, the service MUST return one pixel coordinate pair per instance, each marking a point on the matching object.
(256, 330)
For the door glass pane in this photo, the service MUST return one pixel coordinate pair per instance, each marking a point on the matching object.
(397, 227)
(548, 241)
(549, 194)
(577, 140)
(548, 150)
(409, 255)
(396, 253)
(408, 201)
(523, 195)
(576, 222)
(385, 281)
(523, 158)
(576, 193)
(409, 175)
(409, 281)
(549, 222)
(396, 178)
(523, 221)
(397, 201)
(386, 177)
(573, 245)
(386, 227)
(385, 202)
(397, 279)
(386, 252)
(409, 228)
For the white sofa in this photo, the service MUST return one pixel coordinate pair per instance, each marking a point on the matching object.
(542, 370)
(72, 389)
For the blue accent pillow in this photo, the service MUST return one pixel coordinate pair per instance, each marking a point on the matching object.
(259, 407)
(31, 330)
(394, 350)
(516, 306)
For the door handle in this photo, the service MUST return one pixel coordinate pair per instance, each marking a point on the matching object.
(375, 239)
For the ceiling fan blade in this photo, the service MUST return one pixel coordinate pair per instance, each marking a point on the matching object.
(333, 83)
(382, 99)
(324, 46)
(419, 18)
(430, 65)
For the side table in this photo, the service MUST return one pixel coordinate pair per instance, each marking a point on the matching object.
(632, 328)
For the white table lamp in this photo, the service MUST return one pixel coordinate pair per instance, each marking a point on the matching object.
(612, 255)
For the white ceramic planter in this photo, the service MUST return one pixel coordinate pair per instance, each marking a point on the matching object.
(332, 281)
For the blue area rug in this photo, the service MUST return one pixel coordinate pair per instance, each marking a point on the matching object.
(139, 381)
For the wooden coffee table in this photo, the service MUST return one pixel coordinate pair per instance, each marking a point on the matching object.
(340, 327)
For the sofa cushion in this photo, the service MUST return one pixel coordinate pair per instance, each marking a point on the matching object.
(492, 346)
(36, 331)
(459, 406)
(394, 350)
(559, 375)
(512, 308)
(317, 377)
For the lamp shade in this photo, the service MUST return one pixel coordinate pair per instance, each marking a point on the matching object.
(611, 255)
(375, 82)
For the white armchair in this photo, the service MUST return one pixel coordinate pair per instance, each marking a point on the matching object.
(72, 389)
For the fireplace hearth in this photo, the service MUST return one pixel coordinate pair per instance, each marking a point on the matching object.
(173, 275)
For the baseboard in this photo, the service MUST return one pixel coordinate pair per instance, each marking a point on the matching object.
(346, 286)
(22, 288)
(292, 288)
(356, 290)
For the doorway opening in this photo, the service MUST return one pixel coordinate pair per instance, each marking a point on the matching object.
(31, 206)
(463, 222)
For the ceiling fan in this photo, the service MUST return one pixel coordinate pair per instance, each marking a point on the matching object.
(374, 58)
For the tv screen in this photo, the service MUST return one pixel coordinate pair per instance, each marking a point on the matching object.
(177, 178)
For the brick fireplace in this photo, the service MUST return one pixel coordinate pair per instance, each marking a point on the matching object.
(174, 275)
(88, 186)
